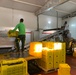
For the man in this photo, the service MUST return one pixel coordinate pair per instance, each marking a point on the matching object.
(65, 26)
(21, 35)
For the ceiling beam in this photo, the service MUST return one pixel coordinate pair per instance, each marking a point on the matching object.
(27, 3)
(74, 2)
(48, 6)
(61, 11)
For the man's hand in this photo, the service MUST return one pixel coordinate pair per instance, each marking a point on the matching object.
(10, 31)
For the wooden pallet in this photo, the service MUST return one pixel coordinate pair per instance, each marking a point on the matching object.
(48, 71)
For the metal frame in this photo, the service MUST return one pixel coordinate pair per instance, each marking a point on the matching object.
(48, 6)
(69, 15)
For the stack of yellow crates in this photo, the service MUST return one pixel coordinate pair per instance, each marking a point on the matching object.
(59, 55)
(64, 69)
(14, 67)
(56, 58)
(46, 62)
(51, 58)
(62, 57)
(47, 59)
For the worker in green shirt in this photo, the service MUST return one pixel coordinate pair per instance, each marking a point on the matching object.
(21, 36)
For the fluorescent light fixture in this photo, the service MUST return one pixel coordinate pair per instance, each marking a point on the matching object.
(49, 9)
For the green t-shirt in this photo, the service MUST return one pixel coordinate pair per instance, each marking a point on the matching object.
(21, 28)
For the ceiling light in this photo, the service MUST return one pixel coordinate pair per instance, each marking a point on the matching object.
(49, 22)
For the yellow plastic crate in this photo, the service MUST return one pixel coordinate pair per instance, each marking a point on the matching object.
(12, 34)
(48, 44)
(47, 65)
(59, 72)
(63, 73)
(14, 67)
(64, 68)
(47, 51)
(56, 58)
(46, 62)
(47, 58)
(62, 57)
(63, 45)
(36, 49)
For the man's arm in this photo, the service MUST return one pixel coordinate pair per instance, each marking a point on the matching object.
(10, 31)
(15, 28)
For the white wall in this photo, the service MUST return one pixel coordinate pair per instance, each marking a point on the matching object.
(72, 26)
(10, 17)
(43, 22)
(48, 22)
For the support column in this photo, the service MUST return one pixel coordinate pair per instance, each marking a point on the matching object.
(37, 22)
(57, 18)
